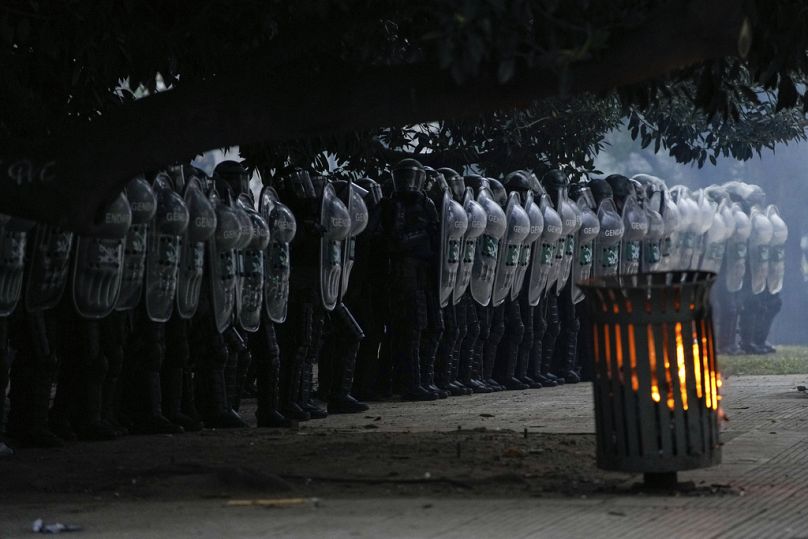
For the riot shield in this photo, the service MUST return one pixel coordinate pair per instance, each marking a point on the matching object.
(582, 263)
(245, 236)
(48, 268)
(528, 245)
(715, 240)
(353, 198)
(143, 204)
(98, 263)
(282, 229)
(635, 222)
(687, 234)
(517, 229)
(14, 234)
(706, 212)
(651, 249)
(777, 256)
(570, 223)
(758, 256)
(336, 224)
(201, 227)
(453, 224)
(671, 218)
(541, 266)
(252, 270)
(487, 251)
(736, 251)
(477, 221)
(607, 243)
(163, 251)
(222, 264)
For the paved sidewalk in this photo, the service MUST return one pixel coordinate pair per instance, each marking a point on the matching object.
(762, 483)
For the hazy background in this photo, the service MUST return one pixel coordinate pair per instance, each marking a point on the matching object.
(783, 175)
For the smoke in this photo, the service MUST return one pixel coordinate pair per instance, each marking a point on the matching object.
(783, 175)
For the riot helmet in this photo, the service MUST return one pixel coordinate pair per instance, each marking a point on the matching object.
(622, 188)
(477, 183)
(374, 190)
(518, 181)
(319, 182)
(177, 174)
(500, 195)
(555, 183)
(455, 182)
(235, 175)
(435, 185)
(434, 180)
(408, 175)
(600, 189)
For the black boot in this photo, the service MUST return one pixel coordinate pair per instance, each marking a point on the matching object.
(292, 379)
(443, 356)
(771, 305)
(427, 372)
(341, 401)
(563, 363)
(267, 414)
(152, 420)
(536, 351)
(412, 390)
(231, 379)
(4, 367)
(91, 425)
(266, 369)
(550, 339)
(523, 372)
(747, 324)
(727, 338)
(173, 387)
(220, 415)
(110, 397)
(188, 406)
(307, 402)
(29, 399)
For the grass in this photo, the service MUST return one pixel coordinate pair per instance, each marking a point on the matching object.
(787, 360)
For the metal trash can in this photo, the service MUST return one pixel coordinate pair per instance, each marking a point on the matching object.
(656, 381)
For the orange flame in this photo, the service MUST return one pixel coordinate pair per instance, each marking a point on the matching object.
(697, 368)
(618, 344)
(652, 363)
(632, 355)
(668, 378)
(680, 365)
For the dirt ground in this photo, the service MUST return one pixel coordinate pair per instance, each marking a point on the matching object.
(313, 461)
(514, 464)
(511, 444)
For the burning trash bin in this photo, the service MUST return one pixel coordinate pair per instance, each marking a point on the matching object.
(656, 381)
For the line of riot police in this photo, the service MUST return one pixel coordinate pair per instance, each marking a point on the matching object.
(191, 294)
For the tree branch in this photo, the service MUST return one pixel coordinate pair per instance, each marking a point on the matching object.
(74, 175)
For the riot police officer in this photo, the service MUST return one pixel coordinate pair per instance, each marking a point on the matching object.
(14, 235)
(146, 349)
(265, 349)
(409, 221)
(343, 332)
(97, 276)
(31, 376)
(368, 298)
